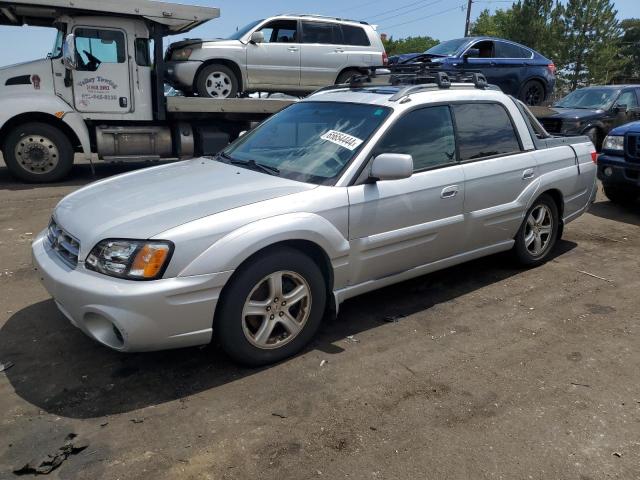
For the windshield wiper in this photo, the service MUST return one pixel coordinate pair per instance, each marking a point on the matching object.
(251, 164)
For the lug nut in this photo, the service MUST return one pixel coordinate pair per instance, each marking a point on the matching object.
(268, 308)
(275, 300)
(281, 314)
(284, 303)
(272, 317)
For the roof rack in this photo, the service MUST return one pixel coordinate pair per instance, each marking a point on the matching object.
(328, 17)
(414, 78)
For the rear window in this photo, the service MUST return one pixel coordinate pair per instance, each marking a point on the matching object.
(321, 32)
(484, 130)
(355, 36)
(508, 50)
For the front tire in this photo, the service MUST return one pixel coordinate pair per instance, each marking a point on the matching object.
(272, 307)
(345, 76)
(217, 81)
(38, 153)
(538, 233)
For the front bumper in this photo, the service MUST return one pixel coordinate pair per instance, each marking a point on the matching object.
(621, 172)
(131, 315)
(182, 75)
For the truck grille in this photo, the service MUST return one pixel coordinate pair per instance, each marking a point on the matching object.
(63, 244)
(633, 148)
(551, 125)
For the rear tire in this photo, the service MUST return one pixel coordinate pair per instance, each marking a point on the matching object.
(621, 196)
(38, 153)
(532, 93)
(254, 323)
(217, 81)
(346, 75)
(538, 233)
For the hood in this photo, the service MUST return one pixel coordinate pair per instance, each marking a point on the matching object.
(33, 76)
(633, 127)
(144, 203)
(221, 42)
(567, 114)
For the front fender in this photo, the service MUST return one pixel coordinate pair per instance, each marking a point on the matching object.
(23, 105)
(230, 251)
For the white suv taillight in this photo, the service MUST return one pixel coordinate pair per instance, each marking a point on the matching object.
(385, 58)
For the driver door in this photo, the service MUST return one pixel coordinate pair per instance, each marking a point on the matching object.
(101, 80)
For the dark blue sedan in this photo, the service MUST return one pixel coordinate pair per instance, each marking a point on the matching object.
(516, 69)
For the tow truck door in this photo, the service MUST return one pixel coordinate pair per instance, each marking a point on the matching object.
(101, 82)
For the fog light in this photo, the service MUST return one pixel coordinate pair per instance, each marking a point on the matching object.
(608, 171)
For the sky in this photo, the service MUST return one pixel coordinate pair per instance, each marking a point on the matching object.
(440, 19)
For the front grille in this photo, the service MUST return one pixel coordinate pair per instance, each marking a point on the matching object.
(551, 125)
(63, 244)
(633, 147)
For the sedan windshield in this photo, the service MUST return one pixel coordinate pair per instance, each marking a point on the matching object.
(238, 34)
(448, 48)
(590, 98)
(309, 141)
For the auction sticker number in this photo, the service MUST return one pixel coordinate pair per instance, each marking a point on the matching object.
(343, 139)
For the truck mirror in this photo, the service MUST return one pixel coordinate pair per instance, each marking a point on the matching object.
(257, 37)
(69, 52)
(621, 108)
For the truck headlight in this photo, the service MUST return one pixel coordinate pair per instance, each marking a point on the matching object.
(130, 259)
(613, 142)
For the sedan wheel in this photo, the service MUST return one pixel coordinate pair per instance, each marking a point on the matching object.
(276, 310)
(538, 233)
(532, 93)
(538, 230)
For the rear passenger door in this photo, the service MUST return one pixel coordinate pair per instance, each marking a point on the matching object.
(397, 225)
(497, 173)
(510, 66)
(323, 55)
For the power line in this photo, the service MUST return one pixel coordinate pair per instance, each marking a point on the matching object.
(359, 6)
(408, 11)
(401, 7)
(423, 18)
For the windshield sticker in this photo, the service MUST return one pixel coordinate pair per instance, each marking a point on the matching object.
(343, 139)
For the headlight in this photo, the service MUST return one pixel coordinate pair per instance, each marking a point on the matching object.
(131, 259)
(613, 142)
(181, 54)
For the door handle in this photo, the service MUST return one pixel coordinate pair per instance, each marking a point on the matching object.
(449, 192)
(293, 49)
(528, 174)
(339, 50)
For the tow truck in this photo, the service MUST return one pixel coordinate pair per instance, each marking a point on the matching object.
(100, 92)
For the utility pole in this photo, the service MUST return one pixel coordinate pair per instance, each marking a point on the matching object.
(466, 26)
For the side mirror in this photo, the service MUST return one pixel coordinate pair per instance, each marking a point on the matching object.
(242, 133)
(257, 37)
(69, 52)
(471, 53)
(621, 108)
(391, 166)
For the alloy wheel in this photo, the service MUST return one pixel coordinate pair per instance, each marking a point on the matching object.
(276, 310)
(218, 85)
(538, 231)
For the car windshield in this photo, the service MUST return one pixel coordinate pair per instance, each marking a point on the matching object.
(590, 98)
(56, 51)
(448, 48)
(310, 142)
(238, 34)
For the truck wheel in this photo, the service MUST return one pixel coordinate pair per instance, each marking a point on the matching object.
(217, 81)
(271, 308)
(346, 75)
(532, 93)
(38, 153)
(538, 233)
(622, 196)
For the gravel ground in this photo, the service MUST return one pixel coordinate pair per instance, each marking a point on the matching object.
(482, 371)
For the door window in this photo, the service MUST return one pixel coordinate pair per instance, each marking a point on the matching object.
(485, 48)
(321, 32)
(628, 99)
(281, 31)
(425, 134)
(484, 130)
(509, 50)
(94, 47)
(352, 35)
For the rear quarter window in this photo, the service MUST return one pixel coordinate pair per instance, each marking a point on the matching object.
(508, 50)
(484, 130)
(353, 35)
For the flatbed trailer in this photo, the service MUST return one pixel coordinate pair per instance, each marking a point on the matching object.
(101, 90)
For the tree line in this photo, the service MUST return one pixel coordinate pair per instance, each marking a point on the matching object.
(584, 38)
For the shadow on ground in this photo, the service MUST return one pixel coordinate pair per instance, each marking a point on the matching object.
(62, 372)
(628, 214)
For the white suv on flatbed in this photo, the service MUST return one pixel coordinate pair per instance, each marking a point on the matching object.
(285, 53)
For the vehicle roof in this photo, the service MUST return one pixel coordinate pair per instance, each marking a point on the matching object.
(629, 85)
(321, 18)
(633, 127)
(176, 17)
(382, 94)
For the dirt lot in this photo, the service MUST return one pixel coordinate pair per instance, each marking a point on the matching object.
(488, 372)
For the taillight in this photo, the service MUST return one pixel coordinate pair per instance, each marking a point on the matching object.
(385, 58)
(552, 68)
(594, 156)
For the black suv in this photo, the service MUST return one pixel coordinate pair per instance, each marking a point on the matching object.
(591, 111)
